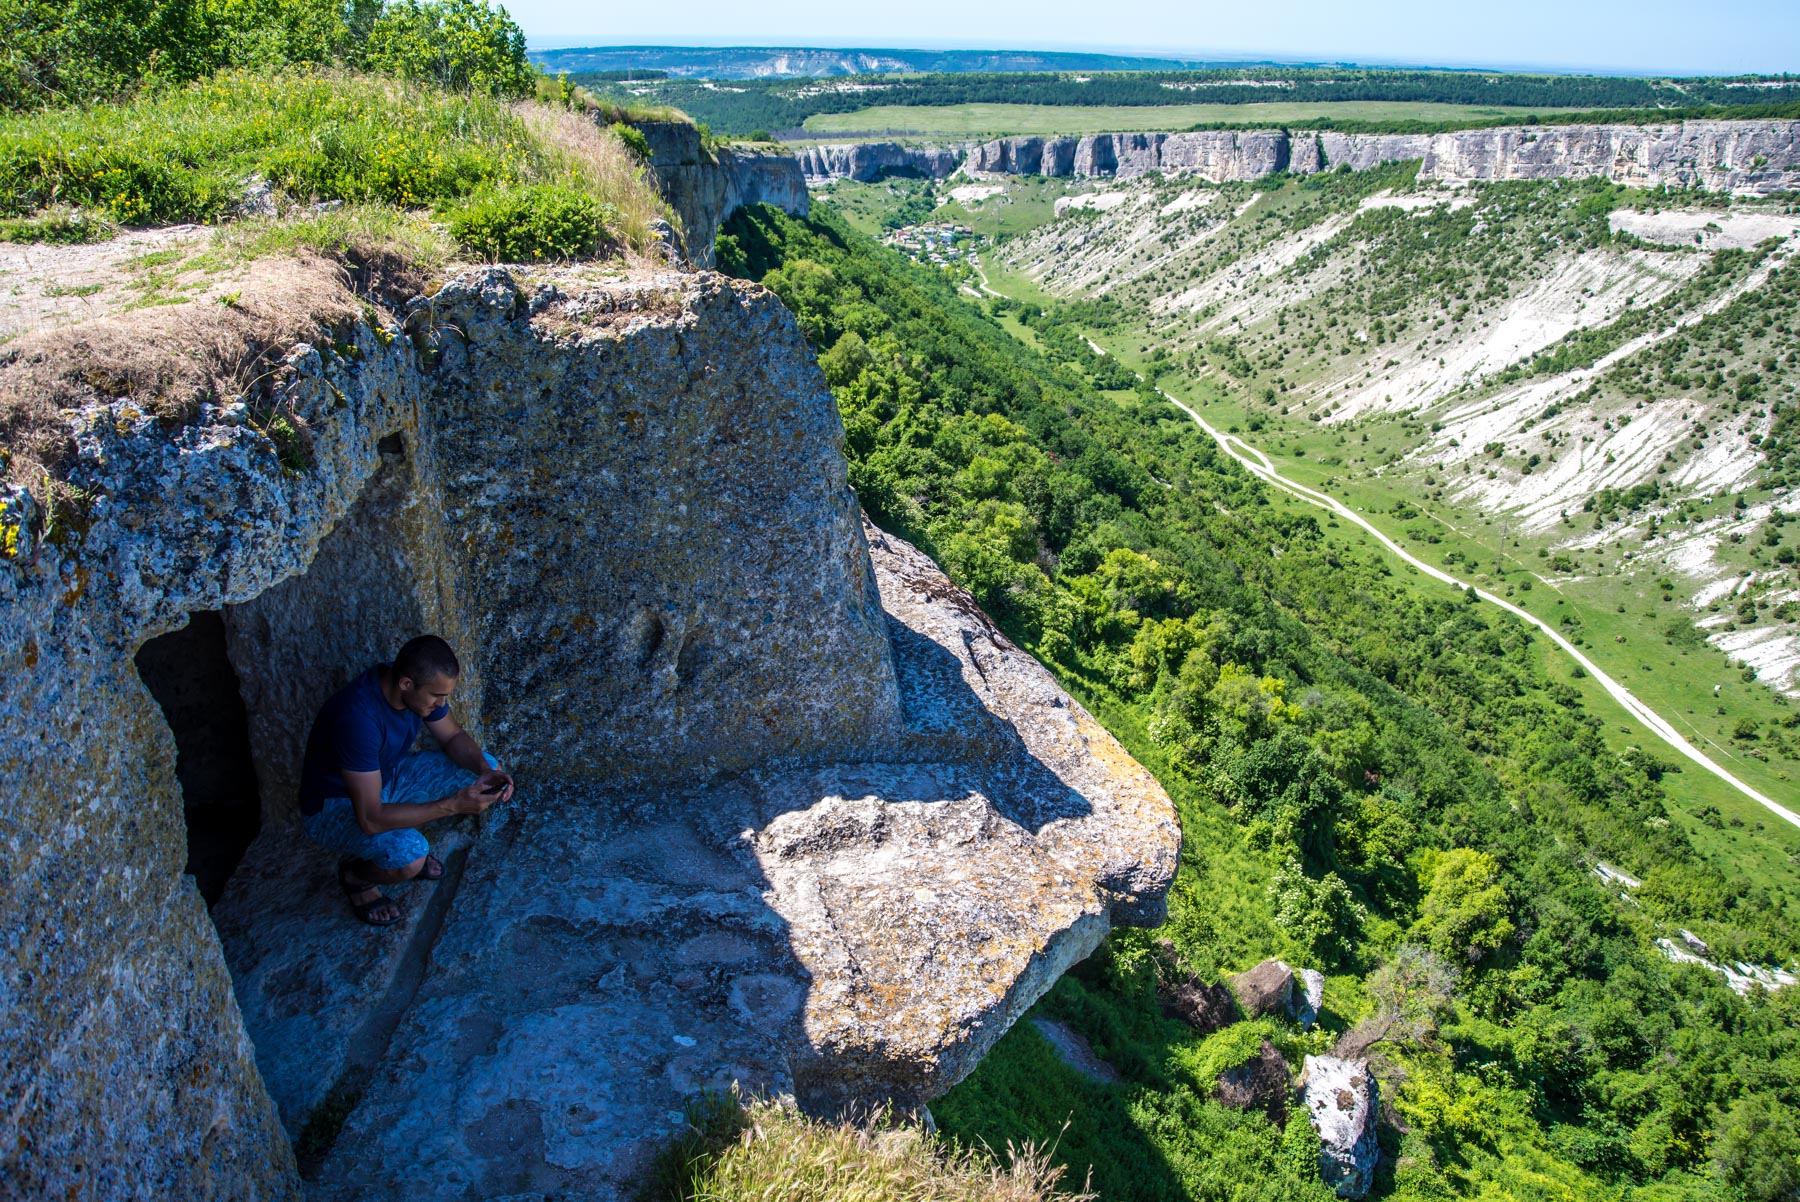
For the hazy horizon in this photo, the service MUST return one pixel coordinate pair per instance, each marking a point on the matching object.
(1657, 37)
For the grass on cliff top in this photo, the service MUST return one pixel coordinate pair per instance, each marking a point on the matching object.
(188, 154)
(733, 1152)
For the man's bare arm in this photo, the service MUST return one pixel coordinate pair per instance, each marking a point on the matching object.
(463, 751)
(374, 818)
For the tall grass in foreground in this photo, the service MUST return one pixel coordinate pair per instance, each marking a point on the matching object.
(601, 162)
(186, 154)
(766, 1150)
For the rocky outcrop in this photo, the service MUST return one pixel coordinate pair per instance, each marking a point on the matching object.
(1205, 1008)
(1273, 989)
(705, 187)
(1265, 990)
(794, 813)
(869, 161)
(1260, 1083)
(1738, 156)
(1343, 1103)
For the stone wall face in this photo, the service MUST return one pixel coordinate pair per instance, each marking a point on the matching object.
(866, 161)
(122, 1033)
(659, 548)
(706, 188)
(640, 479)
(1739, 156)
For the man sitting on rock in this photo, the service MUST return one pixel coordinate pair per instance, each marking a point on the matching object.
(364, 792)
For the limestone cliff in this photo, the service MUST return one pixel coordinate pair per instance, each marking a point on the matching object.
(792, 814)
(1740, 156)
(865, 161)
(705, 187)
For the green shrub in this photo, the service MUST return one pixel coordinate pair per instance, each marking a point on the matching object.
(633, 138)
(462, 45)
(57, 225)
(99, 50)
(544, 222)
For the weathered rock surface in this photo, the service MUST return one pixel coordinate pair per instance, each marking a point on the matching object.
(1343, 1102)
(1736, 156)
(1265, 990)
(1205, 1008)
(707, 187)
(841, 932)
(314, 989)
(795, 815)
(1275, 988)
(1260, 1083)
(1073, 1049)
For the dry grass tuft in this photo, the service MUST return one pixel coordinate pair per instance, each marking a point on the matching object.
(768, 1150)
(604, 165)
(167, 359)
(389, 254)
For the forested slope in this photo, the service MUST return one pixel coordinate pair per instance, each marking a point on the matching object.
(1374, 775)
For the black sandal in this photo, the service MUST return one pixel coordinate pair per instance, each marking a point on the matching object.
(366, 910)
(432, 869)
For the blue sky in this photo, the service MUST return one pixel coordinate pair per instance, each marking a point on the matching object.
(1645, 36)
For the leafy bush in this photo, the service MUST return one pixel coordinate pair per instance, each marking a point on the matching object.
(634, 139)
(97, 50)
(462, 45)
(543, 222)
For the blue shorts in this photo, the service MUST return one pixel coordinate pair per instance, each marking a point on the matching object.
(423, 776)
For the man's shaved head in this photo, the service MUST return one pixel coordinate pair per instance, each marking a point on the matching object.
(426, 658)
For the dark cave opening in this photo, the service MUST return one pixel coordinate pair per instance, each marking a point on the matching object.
(189, 673)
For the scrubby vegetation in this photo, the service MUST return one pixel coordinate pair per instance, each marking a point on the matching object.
(391, 138)
(92, 51)
(1369, 771)
(421, 105)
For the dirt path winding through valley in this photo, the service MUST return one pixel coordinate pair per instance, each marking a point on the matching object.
(1260, 466)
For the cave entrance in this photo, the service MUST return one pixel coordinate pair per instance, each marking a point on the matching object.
(189, 673)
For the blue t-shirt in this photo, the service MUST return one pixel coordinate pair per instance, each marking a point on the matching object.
(356, 731)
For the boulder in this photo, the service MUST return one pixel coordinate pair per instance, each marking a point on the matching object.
(1205, 1008)
(1308, 996)
(1343, 1102)
(1275, 988)
(1260, 1083)
(1265, 990)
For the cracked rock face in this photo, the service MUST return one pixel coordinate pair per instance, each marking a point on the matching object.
(1343, 1102)
(794, 813)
